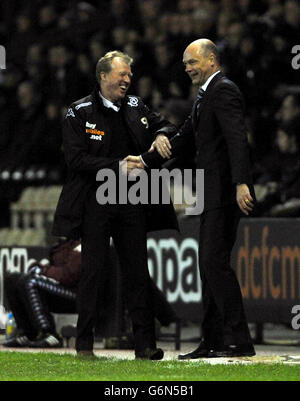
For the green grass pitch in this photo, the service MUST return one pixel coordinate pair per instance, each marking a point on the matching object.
(22, 366)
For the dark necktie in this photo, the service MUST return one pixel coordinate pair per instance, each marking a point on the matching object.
(197, 104)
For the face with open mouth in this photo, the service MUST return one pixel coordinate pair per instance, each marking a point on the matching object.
(115, 84)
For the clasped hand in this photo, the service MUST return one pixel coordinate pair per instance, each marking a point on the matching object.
(161, 144)
(131, 163)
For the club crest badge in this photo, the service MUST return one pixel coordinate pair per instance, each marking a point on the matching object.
(133, 101)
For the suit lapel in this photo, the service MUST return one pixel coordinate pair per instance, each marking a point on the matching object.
(206, 98)
(202, 106)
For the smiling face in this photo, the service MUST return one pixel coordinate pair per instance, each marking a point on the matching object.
(115, 83)
(198, 65)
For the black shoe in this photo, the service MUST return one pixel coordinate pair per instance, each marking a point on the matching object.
(86, 354)
(150, 354)
(47, 341)
(201, 352)
(231, 351)
(17, 341)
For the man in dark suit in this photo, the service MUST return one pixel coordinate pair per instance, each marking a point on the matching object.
(99, 131)
(215, 131)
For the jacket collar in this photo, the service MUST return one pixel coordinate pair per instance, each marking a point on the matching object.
(210, 86)
(108, 104)
(215, 79)
(208, 81)
(98, 101)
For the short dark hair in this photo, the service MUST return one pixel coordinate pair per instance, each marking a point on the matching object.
(104, 63)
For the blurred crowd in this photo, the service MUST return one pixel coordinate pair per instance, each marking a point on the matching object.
(53, 45)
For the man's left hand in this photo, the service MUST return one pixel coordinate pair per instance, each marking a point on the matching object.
(244, 199)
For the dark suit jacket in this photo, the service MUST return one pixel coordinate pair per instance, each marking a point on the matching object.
(87, 143)
(218, 139)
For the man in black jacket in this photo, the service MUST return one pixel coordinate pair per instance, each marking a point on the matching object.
(215, 132)
(49, 288)
(99, 131)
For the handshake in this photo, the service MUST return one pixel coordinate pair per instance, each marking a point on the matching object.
(161, 144)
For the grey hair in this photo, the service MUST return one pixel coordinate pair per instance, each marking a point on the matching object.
(104, 64)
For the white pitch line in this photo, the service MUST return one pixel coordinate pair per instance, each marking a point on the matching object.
(171, 356)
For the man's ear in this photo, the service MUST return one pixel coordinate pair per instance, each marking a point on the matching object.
(103, 76)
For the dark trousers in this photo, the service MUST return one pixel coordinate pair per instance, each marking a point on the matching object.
(32, 299)
(126, 224)
(224, 321)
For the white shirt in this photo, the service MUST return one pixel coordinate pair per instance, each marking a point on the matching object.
(204, 87)
(107, 103)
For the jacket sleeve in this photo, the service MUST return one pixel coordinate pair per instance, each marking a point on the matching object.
(182, 143)
(229, 111)
(76, 148)
(158, 123)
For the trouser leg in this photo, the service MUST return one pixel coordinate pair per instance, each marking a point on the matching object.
(224, 320)
(163, 311)
(95, 254)
(44, 296)
(131, 244)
